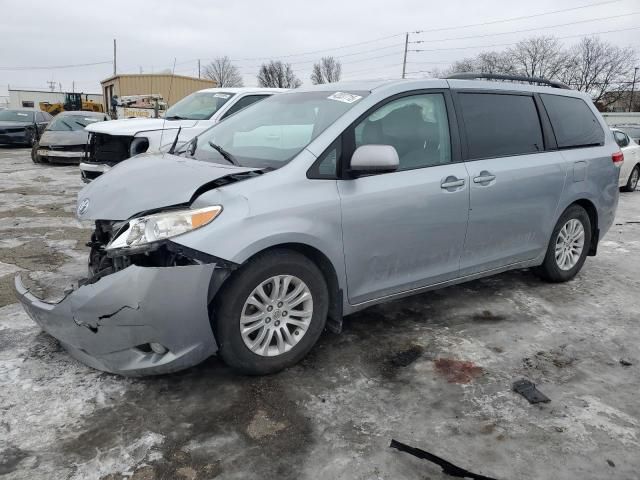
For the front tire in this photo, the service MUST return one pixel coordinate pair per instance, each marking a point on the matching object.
(270, 313)
(632, 183)
(567, 251)
(34, 154)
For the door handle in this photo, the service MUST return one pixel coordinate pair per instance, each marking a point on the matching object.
(484, 177)
(452, 182)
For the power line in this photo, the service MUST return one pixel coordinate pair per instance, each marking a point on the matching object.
(515, 43)
(54, 67)
(339, 56)
(504, 20)
(527, 29)
(513, 19)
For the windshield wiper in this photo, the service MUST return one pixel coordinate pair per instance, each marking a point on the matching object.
(192, 148)
(226, 155)
(175, 117)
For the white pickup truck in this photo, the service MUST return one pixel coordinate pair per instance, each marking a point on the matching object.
(114, 141)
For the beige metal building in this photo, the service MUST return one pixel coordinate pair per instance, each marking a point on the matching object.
(171, 87)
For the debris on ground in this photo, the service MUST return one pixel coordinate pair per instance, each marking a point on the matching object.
(406, 357)
(529, 391)
(625, 363)
(448, 468)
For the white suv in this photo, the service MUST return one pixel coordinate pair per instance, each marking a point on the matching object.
(114, 141)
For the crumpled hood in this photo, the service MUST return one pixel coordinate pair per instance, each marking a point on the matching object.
(147, 182)
(131, 126)
(50, 138)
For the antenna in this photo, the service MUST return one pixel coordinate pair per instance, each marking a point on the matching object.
(173, 72)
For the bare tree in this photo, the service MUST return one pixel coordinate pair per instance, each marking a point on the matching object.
(485, 62)
(601, 69)
(223, 72)
(328, 70)
(276, 74)
(539, 57)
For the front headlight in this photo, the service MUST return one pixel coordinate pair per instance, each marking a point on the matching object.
(160, 226)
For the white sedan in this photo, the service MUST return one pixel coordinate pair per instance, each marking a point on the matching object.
(630, 171)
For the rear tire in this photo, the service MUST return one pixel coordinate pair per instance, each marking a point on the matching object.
(632, 182)
(567, 251)
(278, 274)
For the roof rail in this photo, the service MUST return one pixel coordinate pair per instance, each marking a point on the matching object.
(514, 78)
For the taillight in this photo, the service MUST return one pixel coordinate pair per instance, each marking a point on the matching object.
(618, 158)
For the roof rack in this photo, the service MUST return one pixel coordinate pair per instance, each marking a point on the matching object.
(513, 78)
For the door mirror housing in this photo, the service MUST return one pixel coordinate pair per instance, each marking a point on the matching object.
(374, 159)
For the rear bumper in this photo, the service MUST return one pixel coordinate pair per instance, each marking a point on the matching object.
(107, 324)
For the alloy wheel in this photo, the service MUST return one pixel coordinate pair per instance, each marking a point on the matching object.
(569, 244)
(276, 315)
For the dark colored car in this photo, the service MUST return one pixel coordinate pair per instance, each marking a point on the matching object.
(64, 139)
(22, 127)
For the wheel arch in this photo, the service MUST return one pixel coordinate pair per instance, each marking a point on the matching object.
(592, 211)
(322, 261)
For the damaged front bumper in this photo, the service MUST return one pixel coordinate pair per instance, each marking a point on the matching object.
(110, 324)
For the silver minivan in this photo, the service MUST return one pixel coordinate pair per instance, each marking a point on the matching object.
(316, 203)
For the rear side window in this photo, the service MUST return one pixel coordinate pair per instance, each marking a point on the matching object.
(498, 125)
(573, 122)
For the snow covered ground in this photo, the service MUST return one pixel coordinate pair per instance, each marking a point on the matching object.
(433, 371)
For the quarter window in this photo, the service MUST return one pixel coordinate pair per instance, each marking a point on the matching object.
(498, 125)
(573, 122)
(621, 139)
(416, 126)
(326, 167)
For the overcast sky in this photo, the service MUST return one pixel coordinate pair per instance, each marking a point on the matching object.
(151, 33)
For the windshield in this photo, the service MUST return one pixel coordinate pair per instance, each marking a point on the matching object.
(69, 123)
(273, 131)
(16, 116)
(198, 106)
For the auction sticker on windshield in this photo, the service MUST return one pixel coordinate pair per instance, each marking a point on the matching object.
(344, 97)
(221, 95)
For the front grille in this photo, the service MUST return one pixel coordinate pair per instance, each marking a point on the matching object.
(12, 130)
(109, 149)
(66, 148)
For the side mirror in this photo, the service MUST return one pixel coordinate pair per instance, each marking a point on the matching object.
(374, 159)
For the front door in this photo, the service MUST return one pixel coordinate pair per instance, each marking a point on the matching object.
(405, 230)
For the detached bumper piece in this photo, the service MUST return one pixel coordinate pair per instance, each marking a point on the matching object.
(136, 321)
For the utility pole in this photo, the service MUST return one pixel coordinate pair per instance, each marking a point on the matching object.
(114, 57)
(633, 87)
(404, 62)
(198, 68)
